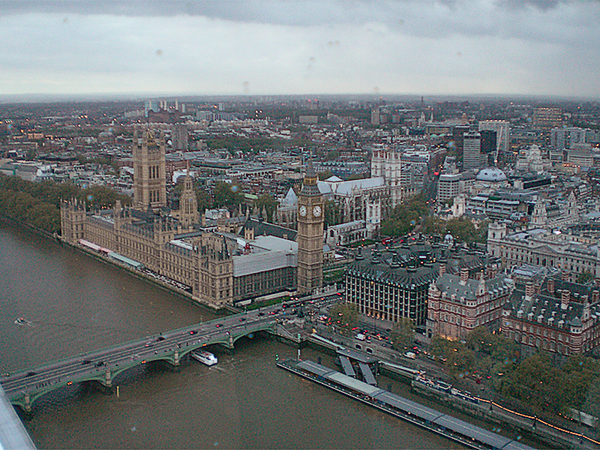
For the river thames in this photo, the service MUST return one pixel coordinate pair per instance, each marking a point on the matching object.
(77, 304)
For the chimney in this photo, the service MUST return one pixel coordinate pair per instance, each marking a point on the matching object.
(464, 275)
(550, 286)
(565, 296)
(529, 290)
(595, 296)
(442, 269)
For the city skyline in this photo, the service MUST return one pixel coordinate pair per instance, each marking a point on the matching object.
(541, 48)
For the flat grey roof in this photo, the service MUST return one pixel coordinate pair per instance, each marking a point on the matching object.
(409, 406)
(314, 368)
(358, 356)
(354, 384)
(347, 366)
(478, 433)
(367, 374)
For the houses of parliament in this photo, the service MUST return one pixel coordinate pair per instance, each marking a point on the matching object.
(233, 262)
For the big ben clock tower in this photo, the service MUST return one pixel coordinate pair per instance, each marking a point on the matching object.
(310, 234)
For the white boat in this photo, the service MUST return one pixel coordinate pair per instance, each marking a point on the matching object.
(22, 321)
(205, 357)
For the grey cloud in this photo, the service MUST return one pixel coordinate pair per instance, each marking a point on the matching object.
(542, 5)
(436, 19)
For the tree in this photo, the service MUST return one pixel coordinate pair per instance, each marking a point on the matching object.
(203, 198)
(482, 231)
(324, 175)
(269, 203)
(584, 277)
(495, 353)
(401, 221)
(581, 373)
(461, 229)
(227, 195)
(458, 358)
(433, 225)
(39, 203)
(100, 197)
(539, 383)
(332, 155)
(405, 217)
(344, 316)
(402, 333)
(591, 404)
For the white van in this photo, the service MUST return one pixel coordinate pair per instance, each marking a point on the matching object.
(360, 337)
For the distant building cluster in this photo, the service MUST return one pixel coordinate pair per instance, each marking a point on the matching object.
(313, 181)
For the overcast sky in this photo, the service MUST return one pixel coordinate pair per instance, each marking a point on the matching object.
(537, 47)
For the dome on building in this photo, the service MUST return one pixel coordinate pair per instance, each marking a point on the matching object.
(491, 174)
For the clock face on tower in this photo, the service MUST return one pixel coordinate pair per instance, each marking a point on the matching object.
(317, 211)
(303, 210)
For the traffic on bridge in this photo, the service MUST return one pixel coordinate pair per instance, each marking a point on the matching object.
(24, 387)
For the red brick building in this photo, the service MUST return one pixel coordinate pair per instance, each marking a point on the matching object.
(558, 317)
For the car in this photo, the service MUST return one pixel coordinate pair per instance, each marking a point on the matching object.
(242, 319)
(261, 314)
(219, 325)
(30, 374)
(193, 332)
(85, 361)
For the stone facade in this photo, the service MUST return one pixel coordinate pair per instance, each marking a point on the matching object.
(310, 234)
(573, 254)
(204, 262)
(150, 178)
(216, 267)
(388, 164)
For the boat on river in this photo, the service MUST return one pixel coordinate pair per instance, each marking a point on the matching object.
(205, 357)
(21, 321)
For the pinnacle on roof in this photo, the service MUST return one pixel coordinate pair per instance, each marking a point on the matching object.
(309, 187)
(310, 170)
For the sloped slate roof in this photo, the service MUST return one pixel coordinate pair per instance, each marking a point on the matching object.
(290, 199)
(452, 286)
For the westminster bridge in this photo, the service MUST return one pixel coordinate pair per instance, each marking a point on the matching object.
(102, 366)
